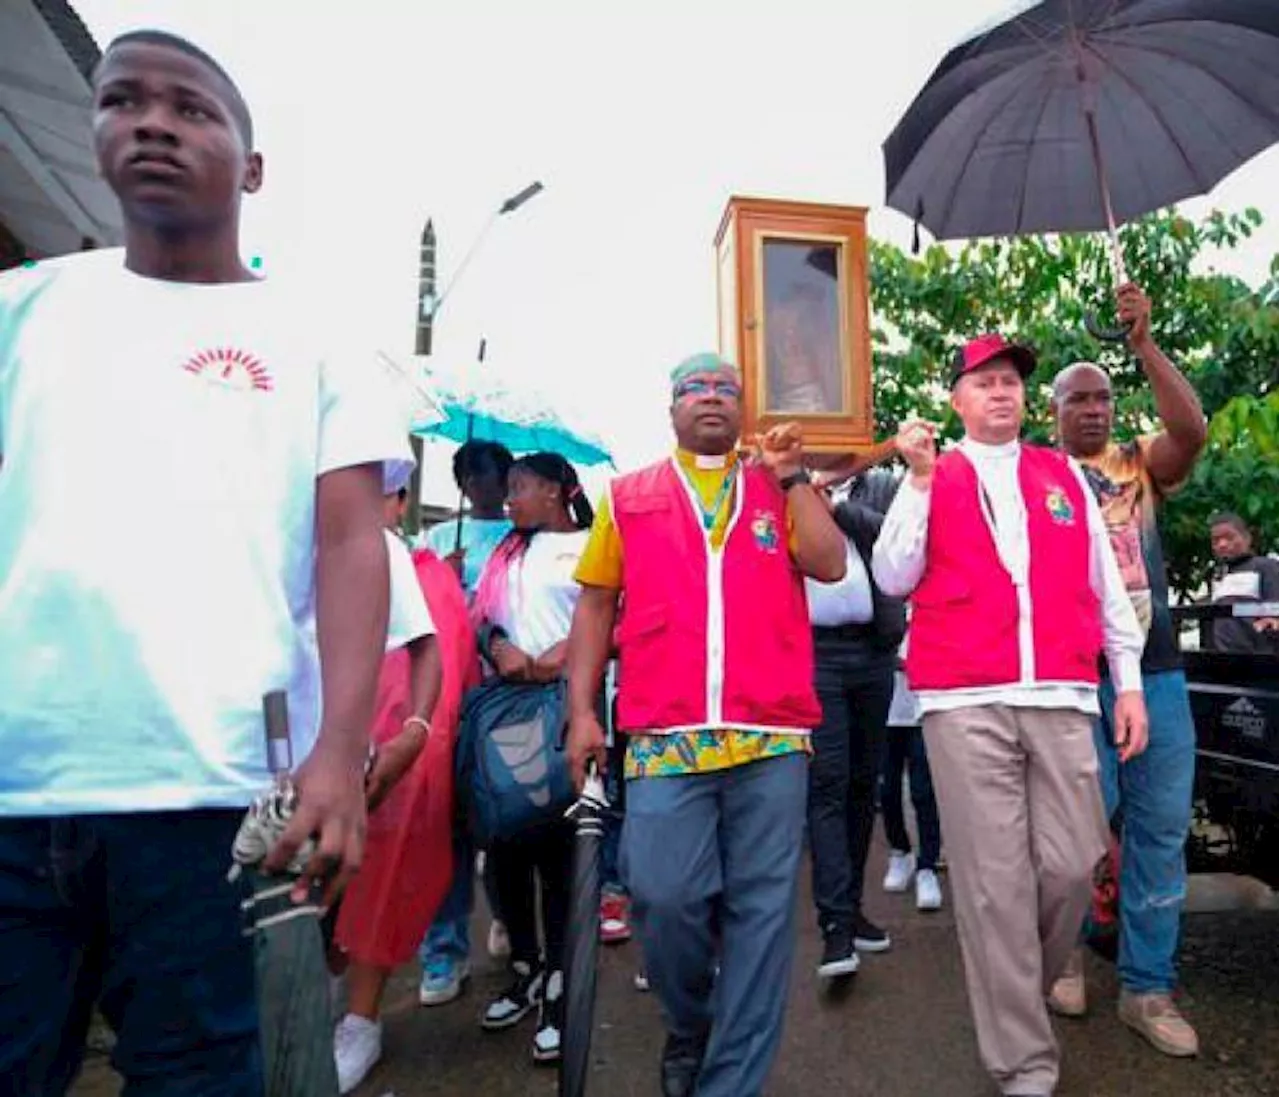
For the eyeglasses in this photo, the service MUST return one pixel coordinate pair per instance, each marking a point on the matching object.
(696, 386)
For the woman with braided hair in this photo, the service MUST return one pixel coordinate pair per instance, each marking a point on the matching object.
(523, 608)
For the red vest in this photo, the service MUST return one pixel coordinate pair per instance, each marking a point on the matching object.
(710, 639)
(965, 611)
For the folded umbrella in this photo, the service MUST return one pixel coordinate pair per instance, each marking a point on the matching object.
(582, 936)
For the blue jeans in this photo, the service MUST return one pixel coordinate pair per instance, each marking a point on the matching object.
(132, 913)
(711, 861)
(450, 934)
(1153, 794)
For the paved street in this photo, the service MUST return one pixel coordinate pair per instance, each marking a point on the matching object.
(902, 1029)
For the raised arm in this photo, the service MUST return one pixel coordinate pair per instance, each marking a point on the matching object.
(1173, 452)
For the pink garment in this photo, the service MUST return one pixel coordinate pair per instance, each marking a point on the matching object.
(964, 613)
(710, 639)
(408, 863)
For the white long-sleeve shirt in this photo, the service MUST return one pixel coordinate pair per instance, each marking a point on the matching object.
(898, 564)
(847, 601)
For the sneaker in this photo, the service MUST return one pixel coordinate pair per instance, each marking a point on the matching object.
(442, 979)
(928, 890)
(357, 1046)
(839, 957)
(615, 918)
(867, 936)
(518, 999)
(1067, 998)
(641, 981)
(681, 1064)
(546, 1041)
(1158, 1020)
(499, 943)
(902, 867)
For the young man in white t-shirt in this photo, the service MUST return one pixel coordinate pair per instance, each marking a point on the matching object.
(137, 641)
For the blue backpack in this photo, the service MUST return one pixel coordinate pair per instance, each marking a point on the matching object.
(512, 773)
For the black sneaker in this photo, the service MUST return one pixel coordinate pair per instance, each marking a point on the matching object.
(839, 957)
(867, 936)
(681, 1064)
(519, 998)
(546, 1041)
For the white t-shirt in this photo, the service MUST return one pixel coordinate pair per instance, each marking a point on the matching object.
(409, 618)
(542, 592)
(161, 445)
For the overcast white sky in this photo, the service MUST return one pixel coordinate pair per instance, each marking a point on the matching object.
(640, 121)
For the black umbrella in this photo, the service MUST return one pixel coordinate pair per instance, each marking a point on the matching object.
(582, 936)
(1077, 115)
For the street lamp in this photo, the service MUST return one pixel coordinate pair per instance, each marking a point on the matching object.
(509, 206)
(429, 306)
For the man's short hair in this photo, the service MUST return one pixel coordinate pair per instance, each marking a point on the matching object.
(1060, 378)
(475, 458)
(1230, 518)
(235, 100)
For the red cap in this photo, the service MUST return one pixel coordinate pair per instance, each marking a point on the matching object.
(987, 348)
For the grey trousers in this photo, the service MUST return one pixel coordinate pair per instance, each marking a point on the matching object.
(1023, 825)
(711, 861)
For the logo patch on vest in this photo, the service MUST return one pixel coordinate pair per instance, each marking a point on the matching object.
(764, 528)
(1059, 507)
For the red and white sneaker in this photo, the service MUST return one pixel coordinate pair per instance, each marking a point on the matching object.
(615, 918)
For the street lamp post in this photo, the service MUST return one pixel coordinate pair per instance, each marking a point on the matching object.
(429, 306)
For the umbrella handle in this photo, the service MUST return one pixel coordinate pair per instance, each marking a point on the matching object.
(1103, 334)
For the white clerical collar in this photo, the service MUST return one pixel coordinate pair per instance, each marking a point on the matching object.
(983, 450)
(710, 460)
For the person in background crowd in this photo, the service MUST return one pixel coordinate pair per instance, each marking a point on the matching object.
(430, 663)
(133, 669)
(905, 751)
(856, 632)
(1153, 794)
(480, 470)
(1242, 577)
(1014, 592)
(706, 553)
(524, 606)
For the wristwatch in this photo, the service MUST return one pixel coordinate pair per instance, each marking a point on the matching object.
(801, 477)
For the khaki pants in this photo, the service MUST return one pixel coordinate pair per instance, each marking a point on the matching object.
(1023, 825)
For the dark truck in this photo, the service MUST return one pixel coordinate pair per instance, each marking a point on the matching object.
(1234, 705)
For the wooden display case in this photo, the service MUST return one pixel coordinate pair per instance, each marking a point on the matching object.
(794, 314)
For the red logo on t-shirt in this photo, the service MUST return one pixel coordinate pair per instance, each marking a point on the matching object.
(231, 368)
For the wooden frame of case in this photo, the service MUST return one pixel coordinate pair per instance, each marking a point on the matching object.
(748, 227)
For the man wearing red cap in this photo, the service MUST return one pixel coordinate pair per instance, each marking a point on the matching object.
(1014, 591)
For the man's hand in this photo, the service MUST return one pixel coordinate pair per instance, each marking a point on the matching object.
(1134, 309)
(584, 742)
(331, 807)
(393, 761)
(781, 450)
(1130, 722)
(917, 447)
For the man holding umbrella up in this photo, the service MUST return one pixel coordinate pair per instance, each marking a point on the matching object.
(707, 554)
(1014, 591)
(1153, 795)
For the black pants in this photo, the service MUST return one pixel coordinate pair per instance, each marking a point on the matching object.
(855, 685)
(537, 860)
(905, 750)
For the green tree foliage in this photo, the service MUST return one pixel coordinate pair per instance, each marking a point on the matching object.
(1038, 289)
